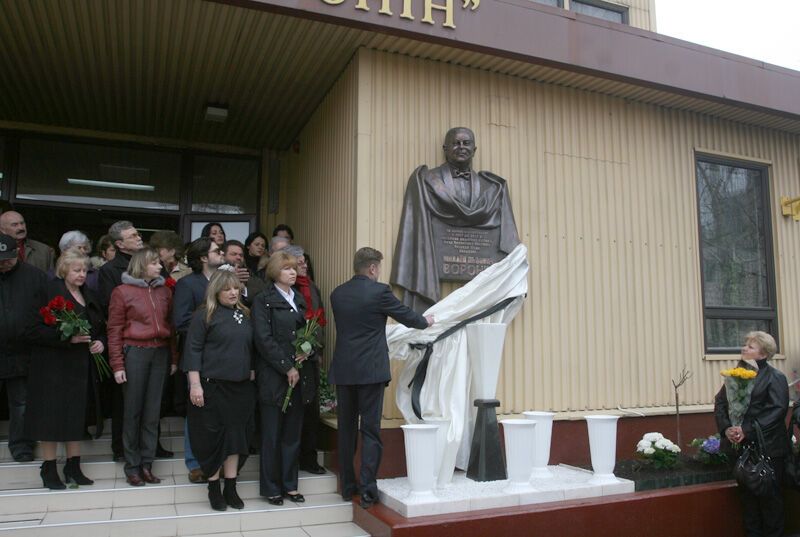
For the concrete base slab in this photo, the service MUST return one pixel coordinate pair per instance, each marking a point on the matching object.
(464, 495)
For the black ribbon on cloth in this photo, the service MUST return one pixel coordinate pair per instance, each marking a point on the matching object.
(422, 368)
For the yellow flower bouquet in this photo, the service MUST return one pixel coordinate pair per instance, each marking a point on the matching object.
(738, 389)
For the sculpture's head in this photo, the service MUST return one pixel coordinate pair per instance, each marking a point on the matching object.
(459, 147)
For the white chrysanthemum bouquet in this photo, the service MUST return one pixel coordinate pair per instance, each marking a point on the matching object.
(661, 452)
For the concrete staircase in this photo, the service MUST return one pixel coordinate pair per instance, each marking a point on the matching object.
(174, 507)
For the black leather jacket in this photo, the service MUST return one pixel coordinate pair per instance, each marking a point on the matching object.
(769, 404)
(275, 325)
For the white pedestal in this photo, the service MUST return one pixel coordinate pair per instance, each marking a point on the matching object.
(443, 476)
(485, 350)
(541, 443)
(603, 446)
(420, 441)
(519, 435)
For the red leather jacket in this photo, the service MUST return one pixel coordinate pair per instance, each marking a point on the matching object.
(139, 315)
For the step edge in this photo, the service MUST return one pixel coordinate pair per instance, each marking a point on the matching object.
(176, 517)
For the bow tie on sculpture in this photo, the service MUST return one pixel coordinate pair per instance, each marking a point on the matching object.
(455, 223)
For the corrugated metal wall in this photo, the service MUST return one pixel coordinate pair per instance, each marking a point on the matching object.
(318, 186)
(603, 191)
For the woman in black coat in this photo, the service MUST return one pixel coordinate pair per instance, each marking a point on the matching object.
(62, 374)
(278, 312)
(769, 403)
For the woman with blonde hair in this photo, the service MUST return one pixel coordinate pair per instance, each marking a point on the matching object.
(278, 312)
(141, 347)
(218, 357)
(61, 373)
(769, 403)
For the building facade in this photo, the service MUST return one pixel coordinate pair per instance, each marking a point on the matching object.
(646, 174)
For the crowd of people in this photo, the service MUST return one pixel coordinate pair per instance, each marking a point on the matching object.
(205, 329)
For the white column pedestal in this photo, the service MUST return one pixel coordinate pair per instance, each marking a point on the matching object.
(420, 441)
(443, 475)
(519, 435)
(603, 446)
(541, 443)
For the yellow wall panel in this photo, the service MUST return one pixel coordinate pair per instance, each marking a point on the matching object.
(318, 182)
(603, 191)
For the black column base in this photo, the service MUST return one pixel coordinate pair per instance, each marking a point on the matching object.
(486, 458)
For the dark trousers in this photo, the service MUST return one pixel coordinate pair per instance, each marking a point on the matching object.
(308, 438)
(117, 416)
(763, 517)
(17, 393)
(280, 446)
(352, 401)
(145, 368)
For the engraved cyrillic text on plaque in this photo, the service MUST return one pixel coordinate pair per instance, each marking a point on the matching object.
(463, 252)
(456, 222)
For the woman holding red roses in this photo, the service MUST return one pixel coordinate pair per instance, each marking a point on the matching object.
(62, 373)
(278, 313)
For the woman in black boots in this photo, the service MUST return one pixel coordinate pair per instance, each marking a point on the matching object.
(218, 356)
(61, 373)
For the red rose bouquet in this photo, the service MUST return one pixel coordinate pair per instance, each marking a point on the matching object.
(60, 313)
(306, 342)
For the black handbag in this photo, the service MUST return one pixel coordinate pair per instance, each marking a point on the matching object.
(753, 469)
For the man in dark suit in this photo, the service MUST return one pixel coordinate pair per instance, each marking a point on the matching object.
(127, 241)
(360, 368)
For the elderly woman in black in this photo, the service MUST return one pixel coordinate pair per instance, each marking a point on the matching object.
(769, 403)
(218, 356)
(61, 377)
(277, 314)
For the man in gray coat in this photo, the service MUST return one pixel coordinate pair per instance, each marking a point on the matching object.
(30, 251)
(360, 368)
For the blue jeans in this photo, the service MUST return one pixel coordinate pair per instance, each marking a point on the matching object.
(188, 456)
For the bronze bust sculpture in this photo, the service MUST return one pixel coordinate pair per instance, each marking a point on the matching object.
(455, 223)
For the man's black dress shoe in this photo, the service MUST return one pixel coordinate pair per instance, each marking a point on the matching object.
(313, 469)
(368, 500)
(296, 498)
(23, 457)
(275, 500)
(162, 453)
(118, 456)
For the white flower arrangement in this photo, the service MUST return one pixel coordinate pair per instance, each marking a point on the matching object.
(652, 437)
(661, 452)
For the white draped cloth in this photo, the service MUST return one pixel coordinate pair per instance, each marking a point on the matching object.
(447, 388)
